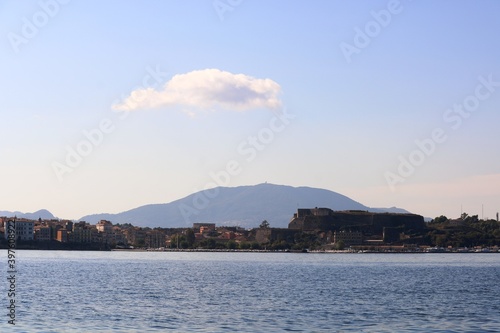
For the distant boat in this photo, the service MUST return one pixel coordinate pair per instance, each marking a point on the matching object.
(435, 249)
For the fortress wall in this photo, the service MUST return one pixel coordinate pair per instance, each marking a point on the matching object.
(296, 223)
(409, 221)
(376, 222)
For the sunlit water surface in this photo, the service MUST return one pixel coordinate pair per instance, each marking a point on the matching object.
(59, 291)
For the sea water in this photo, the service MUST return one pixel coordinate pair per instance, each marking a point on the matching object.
(62, 291)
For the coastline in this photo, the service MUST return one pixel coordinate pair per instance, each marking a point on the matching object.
(452, 251)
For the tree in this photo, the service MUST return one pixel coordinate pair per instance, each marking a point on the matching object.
(178, 241)
(472, 219)
(211, 243)
(244, 245)
(441, 240)
(264, 225)
(255, 246)
(140, 243)
(280, 245)
(231, 245)
(340, 245)
(190, 238)
(440, 219)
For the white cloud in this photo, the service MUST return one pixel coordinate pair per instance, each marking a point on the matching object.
(207, 89)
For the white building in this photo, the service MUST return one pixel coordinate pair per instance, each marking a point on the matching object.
(105, 227)
(24, 229)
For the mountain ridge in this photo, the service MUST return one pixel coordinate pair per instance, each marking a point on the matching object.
(245, 206)
(41, 213)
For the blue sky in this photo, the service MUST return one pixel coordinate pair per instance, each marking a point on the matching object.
(207, 79)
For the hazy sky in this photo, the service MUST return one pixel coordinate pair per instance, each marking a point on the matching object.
(110, 105)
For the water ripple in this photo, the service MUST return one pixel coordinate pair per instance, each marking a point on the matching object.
(248, 292)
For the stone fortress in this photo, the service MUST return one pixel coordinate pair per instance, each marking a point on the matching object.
(310, 219)
(353, 227)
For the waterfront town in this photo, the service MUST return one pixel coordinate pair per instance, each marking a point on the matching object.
(311, 229)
